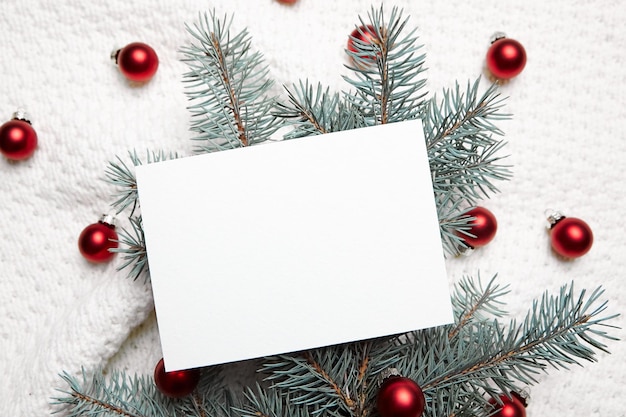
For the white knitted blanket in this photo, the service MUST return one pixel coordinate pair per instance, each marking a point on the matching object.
(566, 141)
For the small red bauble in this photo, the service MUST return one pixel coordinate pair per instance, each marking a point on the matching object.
(137, 61)
(18, 139)
(400, 397)
(506, 58)
(175, 384)
(483, 227)
(96, 239)
(511, 407)
(570, 237)
(365, 34)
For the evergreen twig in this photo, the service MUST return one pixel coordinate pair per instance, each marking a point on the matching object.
(227, 87)
(458, 374)
(133, 250)
(387, 71)
(317, 111)
(463, 155)
(120, 175)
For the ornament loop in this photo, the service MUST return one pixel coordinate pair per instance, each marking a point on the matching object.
(497, 36)
(553, 217)
(114, 54)
(386, 374)
(523, 395)
(108, 219)
(20, 114)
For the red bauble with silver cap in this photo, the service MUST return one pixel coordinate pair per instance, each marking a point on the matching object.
(483, 228)
(399, 396)
(137, 61)
(570, 237)
(18, 139)
(96, 240)
(506, 58)
(175, 384)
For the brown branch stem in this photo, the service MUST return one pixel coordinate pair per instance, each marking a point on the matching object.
(363, 411)
(109, 407)
(458, 124)
(234, 103)
(502, 357)
(468, 316)
(342, 395)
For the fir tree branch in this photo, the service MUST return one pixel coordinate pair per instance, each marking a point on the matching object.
(198, 405)
(274, 403)
(482, 357)
(471, 301)
(107, 408)
(344, 397)
(118, 174)
(120, 396)
(553, 333)
(361, 408)
(227, 87)
(463, 155)
(387, 70)
(314, 111)
(459, 115)
(133, 249)
(123, 177)
(335, 379)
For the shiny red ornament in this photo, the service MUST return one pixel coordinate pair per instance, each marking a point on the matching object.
(570, 237)
(483, 227)
(511, 407)
(506, 58)
(400, 397)
(137, 61)
(18, 139)
(175, 384)
(365, 34)
(96, 239)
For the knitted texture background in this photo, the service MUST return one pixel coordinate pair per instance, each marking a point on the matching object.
(566, 146)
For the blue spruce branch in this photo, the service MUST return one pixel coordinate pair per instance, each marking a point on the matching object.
(120, 175)
(317, 111)
(131, 243)
(387, 71)
(459, 367)
(133, 250)
(227, 87)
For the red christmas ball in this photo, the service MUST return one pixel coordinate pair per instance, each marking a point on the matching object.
(137, 61)
(365, 34)
(506, 58)
(511, 407)
(400, 397)
(175, 384)
(18, 139)
(571, 237)
(95, 241)
(483, 227)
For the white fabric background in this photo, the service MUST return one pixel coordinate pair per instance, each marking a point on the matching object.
(566, 140)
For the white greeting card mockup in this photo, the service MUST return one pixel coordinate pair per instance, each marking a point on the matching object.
(293, 245)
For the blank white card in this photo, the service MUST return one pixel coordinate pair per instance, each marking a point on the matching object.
(293, 245)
